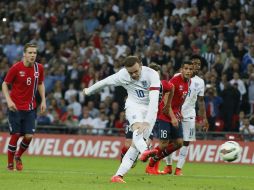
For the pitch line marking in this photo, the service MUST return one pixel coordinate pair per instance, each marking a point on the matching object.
(92, 173)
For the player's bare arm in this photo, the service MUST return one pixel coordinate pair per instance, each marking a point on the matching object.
(168, 100)
(201, 104)
(10, 103)
(41, 89)
(168, 108)
(174, 120)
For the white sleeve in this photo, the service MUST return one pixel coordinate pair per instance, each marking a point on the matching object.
(152, 107)
(153, 100)
(202, 89)
(111, 80)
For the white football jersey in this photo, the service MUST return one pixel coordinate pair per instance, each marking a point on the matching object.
(196, 88)
(138, 90)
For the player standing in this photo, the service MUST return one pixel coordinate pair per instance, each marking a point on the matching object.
(169, 118)
(25, 78)
(142, 85)
(195, 93)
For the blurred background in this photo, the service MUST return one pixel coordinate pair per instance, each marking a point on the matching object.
(81, 42)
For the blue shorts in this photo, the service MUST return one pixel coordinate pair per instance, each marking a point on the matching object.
(156, 130)
(166, 131)
(22, 122)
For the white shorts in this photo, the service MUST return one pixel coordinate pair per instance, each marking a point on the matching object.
(189, 129)
(137, 114)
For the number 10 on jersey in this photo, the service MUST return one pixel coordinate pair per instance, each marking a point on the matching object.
(140, 93)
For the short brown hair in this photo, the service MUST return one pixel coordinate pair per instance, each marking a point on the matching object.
(131, 60)
(28, 45)
(154, 66)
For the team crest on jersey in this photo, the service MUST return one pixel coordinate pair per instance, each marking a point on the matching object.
(22, 73)
(36, 74)
(144, 83)
(181, 87)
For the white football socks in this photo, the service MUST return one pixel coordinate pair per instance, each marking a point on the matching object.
(127, 161)
(182, 156)
(139, 141)
(168, 160)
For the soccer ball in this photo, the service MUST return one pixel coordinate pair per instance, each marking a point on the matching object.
(230, 151)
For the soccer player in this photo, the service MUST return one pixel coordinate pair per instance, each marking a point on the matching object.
(142, 85)
(25, 78)
(165, 89)
(169, 118)
(195, 94)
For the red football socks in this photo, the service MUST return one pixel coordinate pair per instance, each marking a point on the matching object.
(12, 147)
(23, 146)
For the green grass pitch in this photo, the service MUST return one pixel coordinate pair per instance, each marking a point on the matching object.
(54, 173)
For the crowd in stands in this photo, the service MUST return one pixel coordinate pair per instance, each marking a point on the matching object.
(81, 42)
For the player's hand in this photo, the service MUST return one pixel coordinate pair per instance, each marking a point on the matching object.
(206, 125)
(165, 110)
(143, 127)
(174, 122)
(84, 91)
(43, 106)
(12, 106)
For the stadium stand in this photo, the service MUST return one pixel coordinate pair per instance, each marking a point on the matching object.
(81, 42)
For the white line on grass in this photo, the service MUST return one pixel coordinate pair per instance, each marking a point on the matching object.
(92, 173)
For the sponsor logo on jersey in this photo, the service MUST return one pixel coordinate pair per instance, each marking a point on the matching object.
(22, 73)
(181, 87)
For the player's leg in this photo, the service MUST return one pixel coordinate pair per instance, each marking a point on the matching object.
(148, 137)
(126, 146)
(177, 137)
(128, 141)
(125, 165)
(163, 135)
(189, 134)
(28, 128)
(137, 141)
(14, 127)
(169, 162)
(136, 116)
(181, 158)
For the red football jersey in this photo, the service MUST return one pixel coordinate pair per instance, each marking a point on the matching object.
(181, 90)
(24, 82)
(165, 87)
